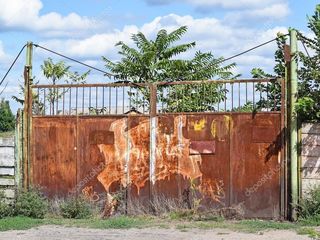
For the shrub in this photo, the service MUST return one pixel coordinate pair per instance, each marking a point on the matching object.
(76, 207)
(309, 207)
(5, 209)
(31, 203)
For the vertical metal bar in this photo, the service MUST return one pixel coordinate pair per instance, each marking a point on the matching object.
(109, 100)
(123, 99)
(246, 92)
(38, 99)
(267, 102)
(143, 102)
(274, 98)
(76, 100)
(162, 97)
(57, 100)
(44, 101)
(64, 92)
(83, 100)
(70, 99)
(239, 95)
(96, 99)
(89, 100)
(169, 97)
(130, 96)
(260, 92)
(225, 97)
(116, 100)
(253, 96)
(50, 101)
(137, 99)
(102, 97)
(231, 96)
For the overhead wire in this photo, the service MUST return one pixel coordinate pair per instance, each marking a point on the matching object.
(250, 49)
(74, 60)
(12, 64)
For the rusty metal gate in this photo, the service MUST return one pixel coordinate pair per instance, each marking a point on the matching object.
(220, 142)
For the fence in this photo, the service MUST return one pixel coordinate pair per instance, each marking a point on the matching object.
(7, 167)
(310, 156)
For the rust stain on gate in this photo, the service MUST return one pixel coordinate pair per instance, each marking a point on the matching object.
(232, 158)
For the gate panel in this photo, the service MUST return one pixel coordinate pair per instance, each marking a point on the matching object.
(192, 158)
(54, 155)
(101, 155)
(255, 164)
(212, 131)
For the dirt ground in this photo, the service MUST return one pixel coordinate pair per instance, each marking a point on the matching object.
(66, 233)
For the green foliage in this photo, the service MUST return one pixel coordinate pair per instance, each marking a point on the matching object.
(247, 107)
(6, 210)
(271, 98)
(309, 72)
(309, 206)
(76, 207)
(31, 203)
(157, 61)
(55, 72)
(7, 119)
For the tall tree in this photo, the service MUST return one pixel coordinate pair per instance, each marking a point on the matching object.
(7, 119)
(157, 61)
(54, 72)
(308, 105)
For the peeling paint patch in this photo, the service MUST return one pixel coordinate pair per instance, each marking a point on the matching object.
(199, 125)
(213, 128)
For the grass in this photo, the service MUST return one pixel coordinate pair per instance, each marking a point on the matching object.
(7, 134)
(19, 223)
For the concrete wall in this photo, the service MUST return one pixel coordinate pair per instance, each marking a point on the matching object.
(7, 167)
(310, 156)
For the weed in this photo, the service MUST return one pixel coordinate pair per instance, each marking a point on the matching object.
(31, 203)
(76, 207)
(309, 206)
(6, 210)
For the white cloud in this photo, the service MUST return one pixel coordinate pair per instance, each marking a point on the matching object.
(211, 34)
(25, 15)
(227, 4)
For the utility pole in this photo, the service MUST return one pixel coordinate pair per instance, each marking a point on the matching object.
(293, 124)
(27, 111)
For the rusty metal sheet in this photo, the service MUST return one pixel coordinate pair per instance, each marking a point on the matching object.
(255, 167)
(202, 147)
(138, 160)
(54, 155)
(101, 156)
(223, 160)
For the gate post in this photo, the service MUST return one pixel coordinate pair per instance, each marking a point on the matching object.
(293, 148)
(27, 111)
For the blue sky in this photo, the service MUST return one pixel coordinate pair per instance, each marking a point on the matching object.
(88, 29)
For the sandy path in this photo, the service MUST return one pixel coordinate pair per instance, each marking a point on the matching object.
(59, 233)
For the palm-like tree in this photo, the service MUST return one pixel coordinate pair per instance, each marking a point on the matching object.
(157, 61)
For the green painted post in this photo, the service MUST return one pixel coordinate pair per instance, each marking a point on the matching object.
(293, 123)
(26, 115)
